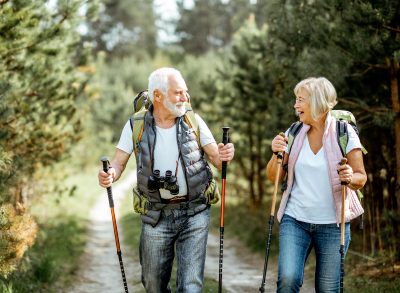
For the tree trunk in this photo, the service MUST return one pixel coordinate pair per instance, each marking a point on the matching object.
(260, 168)
(394, 90)
(252, 165)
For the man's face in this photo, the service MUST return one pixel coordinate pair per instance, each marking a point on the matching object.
(176, 96)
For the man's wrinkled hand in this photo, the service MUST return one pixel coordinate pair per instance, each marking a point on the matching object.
(106, 179)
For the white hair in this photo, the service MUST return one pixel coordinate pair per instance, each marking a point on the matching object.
(322, 94)
(159, 80)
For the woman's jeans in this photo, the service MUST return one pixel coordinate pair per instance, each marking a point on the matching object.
(296, 239)
(185, 233)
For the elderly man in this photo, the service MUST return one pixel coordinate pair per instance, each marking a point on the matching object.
(174, 209)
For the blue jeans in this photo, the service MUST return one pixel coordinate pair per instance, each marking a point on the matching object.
(175, 231)
(296, 239)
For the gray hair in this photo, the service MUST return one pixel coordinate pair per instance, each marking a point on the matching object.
(159, 80)
(322, 94)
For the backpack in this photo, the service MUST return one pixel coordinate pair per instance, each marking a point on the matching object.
(141, 104)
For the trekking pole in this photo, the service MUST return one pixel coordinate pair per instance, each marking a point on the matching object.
(342, 232)
(225, 139)
(106, 166)
(272, 215)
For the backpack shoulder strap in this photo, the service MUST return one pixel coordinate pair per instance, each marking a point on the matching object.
(293, 131)
(137, 126)
(342, 136)
(190, 119)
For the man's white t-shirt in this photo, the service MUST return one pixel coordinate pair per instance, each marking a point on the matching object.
(311, 198)
(166, 151)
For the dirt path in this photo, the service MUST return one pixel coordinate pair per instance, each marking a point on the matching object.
(100, 271)
(242, 270)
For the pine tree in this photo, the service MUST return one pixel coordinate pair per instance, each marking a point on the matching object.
(209, 24)
(124, 27)
(40, 83)
(250, 101)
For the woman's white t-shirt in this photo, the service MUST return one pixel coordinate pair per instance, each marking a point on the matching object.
(166, 151)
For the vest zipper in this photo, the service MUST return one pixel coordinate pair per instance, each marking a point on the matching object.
(153, 127)
(179, 142)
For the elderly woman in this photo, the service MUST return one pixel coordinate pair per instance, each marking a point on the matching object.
(310, 209)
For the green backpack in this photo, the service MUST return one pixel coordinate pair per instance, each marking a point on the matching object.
(141, 104)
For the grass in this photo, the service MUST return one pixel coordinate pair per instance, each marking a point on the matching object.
(131, 225)
(50, 264)
(371, 285)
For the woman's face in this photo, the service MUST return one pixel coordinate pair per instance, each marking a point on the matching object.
(302, 106)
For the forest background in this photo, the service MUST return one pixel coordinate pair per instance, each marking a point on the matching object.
(69, 70)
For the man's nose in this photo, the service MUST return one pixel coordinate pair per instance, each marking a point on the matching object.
(183, 97)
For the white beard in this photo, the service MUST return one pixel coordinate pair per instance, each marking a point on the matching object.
(178, 112)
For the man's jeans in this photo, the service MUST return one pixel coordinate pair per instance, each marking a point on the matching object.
(296, 239)
(157, 247)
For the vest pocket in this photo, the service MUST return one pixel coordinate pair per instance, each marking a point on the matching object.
(139, 202)
(212, 192)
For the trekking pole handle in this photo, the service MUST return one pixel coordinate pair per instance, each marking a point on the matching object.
(280, 154)
(343, 161)
(225, 140)
(106, 166)
(106, 163)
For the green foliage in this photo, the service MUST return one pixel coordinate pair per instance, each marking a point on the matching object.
(114, 86)
(209, 24)
(53, 260)
(195, 70)
(42, 77)
(123, 27)
(41, 84)
(248, 98)
(54, 254)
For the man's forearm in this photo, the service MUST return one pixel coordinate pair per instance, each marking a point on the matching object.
(118, 169)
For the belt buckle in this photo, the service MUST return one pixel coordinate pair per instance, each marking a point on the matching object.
(176, 199)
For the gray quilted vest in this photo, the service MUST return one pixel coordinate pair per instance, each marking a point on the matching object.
(197, 172)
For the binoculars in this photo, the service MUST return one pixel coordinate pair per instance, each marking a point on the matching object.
(167, 182)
